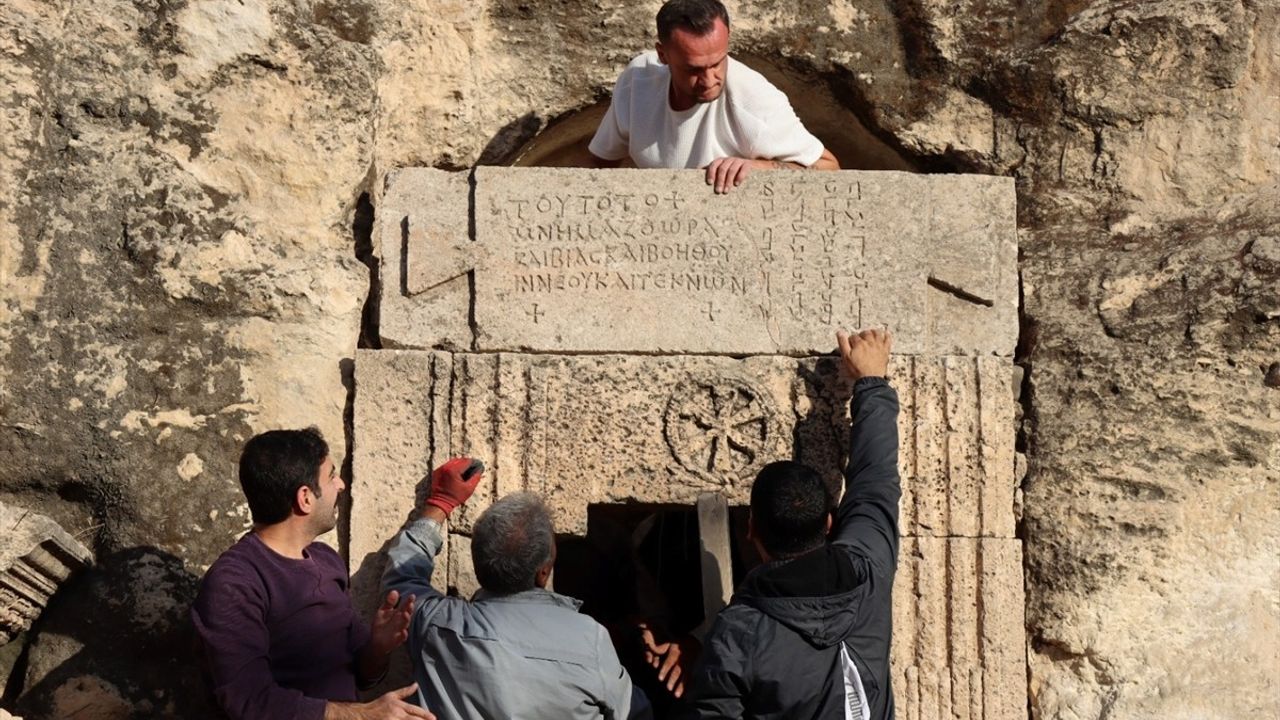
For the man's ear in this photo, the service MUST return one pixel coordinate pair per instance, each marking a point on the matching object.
(662, 54)
(304, 500)
(544, 574)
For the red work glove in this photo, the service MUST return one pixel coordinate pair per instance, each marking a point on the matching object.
(448, 488)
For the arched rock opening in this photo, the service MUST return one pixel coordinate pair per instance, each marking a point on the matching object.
(563, 142)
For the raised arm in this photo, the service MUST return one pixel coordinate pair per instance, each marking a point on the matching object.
(412, 557)
(867, 518)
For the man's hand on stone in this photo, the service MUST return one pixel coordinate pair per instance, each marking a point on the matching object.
(391, 623)
(449, 488)
(865, 354)
(729, 172)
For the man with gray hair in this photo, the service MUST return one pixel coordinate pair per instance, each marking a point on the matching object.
(516, 649)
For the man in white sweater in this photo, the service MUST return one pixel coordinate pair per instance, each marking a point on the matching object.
(690, 105)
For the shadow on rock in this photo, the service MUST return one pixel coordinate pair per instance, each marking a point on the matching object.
(116, 642)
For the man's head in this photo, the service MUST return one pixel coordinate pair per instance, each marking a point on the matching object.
(790, 509)
(513, 546)
(287, 474)
(693, 40)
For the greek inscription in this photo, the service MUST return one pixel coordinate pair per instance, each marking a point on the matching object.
(835, 187)
(796, 307)
(595, 281)
(581, 232)
(807, 263)
(564, 205)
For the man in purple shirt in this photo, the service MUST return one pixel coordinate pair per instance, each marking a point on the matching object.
(280, 638)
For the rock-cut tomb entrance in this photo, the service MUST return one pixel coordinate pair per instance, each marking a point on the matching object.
(634, 348)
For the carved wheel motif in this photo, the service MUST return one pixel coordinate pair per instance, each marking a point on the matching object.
(719, 429)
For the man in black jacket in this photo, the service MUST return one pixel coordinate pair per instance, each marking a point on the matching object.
(807, 634)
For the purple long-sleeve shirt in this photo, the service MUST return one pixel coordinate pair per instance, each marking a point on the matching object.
(279, 635)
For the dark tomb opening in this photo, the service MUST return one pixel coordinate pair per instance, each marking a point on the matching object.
(641, 563)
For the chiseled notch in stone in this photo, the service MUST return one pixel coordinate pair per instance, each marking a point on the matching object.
(653, 261)
(36, 556)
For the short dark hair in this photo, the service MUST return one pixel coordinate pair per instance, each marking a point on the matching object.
(696, 16)
(789, 507)
(511, 541)
(274, 464)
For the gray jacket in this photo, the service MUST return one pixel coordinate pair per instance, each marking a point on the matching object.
(529, 655)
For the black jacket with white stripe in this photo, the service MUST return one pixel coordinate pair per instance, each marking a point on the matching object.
(775, 651)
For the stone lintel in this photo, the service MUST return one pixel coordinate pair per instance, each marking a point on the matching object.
(653, 261)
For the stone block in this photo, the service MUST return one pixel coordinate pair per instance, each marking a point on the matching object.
(959, 649)
(618, 429)
(403, 401)
(653, 261)
(431, 207)
(37, 555)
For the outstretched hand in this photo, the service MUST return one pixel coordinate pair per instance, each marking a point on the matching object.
(391, 623)
(865, 354)
(672, 659)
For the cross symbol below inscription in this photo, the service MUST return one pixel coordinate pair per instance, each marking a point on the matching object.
(710, 312)
(535, 313)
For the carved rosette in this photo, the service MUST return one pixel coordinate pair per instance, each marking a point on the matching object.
(720, 429)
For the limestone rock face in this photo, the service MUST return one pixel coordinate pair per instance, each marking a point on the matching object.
(178, 265)
(182, 237)
(176, 259)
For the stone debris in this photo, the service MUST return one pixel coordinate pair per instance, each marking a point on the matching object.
(37, 555)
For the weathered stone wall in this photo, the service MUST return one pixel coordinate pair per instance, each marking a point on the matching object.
(182, 232)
